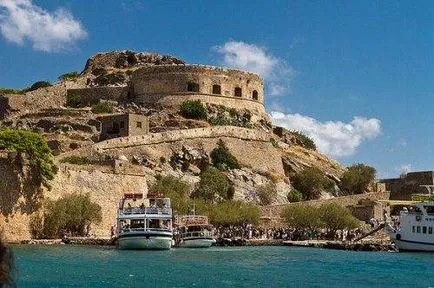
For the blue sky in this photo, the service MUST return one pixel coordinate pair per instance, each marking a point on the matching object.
(357, 76)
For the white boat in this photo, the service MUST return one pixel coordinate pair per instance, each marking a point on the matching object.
(193, 231)
(144, 223)
(415, 229)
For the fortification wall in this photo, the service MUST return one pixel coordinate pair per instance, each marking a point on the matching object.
(177, 135)
(170, 85)
(403, 188)
(270, 215)
(90, 96)
(104, 188)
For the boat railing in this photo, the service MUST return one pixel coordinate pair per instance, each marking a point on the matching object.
(197, 234)
(145, 229)
(147, 210)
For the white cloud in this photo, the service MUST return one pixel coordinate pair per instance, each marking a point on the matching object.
(21, 20)
(252, 58)
(333, 138)
(404, 169)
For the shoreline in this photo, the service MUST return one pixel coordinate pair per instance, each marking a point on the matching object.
(373, 246)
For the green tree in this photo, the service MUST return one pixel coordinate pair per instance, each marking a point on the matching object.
(213, 186)
(233, 213)
(222, 158)
(310, 182)
(357, 178)
(335, 217)
(303, 140)
(193, 109)
(175, 189)
(301, 216)
(266, 193)
(34, 145)
(72, 213)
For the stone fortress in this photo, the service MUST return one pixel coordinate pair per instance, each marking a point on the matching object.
(170, 85)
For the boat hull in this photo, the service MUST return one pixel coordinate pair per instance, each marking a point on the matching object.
(197, 243)
(144, 242)
(405, 245)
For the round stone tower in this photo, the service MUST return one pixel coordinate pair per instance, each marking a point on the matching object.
(170, 85)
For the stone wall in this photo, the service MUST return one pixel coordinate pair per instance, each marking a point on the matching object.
(123, 125)
(270, 215)
(90, 96)
(403, 188)
(172, 136)
(171, 85)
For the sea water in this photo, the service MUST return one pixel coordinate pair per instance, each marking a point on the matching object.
(80, 266)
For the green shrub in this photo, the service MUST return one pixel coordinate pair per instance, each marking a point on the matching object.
(102, 107)
(72, 214)
(222, 158)
(233, 213)
(73, 100)
(223, 121)
(303, 140)
(110, 79)
(4, 91)
(330, 216)
(357, 178)
(193, 109)
(301, 216)
(34, 145)
(294, 196)
(266, 193)
(310, 182)
(37, 85)
(335, 217)
(213, 186)
(68, 76)
(175, 189)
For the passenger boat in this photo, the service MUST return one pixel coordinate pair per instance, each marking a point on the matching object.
(415, 229)
(144, 223)
(193, 231)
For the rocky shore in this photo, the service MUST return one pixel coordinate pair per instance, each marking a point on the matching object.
(227, 242)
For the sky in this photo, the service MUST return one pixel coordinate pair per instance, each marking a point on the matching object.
(356, 76)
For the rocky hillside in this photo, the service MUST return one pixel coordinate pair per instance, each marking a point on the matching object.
(268, 156)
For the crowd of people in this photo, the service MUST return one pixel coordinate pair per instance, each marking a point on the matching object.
(284, 233)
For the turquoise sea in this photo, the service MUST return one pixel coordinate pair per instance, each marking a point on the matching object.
(79, 266)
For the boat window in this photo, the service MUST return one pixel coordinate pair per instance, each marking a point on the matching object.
(424, 229)
(429, 230)
(418, 229)
(429, 209)
(413, 229)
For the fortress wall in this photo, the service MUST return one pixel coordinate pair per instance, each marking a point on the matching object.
(169, 85)
(176, 100)
(403, 188)
(104, 188)
(272, 213)
(172, 136)
(92, 95)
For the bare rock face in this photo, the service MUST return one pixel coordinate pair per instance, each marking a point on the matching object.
(126, 59)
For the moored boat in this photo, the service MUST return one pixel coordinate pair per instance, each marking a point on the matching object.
(193, 231)
(144, 223)
(414, 231)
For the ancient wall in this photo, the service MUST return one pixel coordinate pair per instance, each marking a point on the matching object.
(177, 135)
(104, 188)
(138, 124)
(270, 215)
(403, 188)
(170, 85)
(90, 96)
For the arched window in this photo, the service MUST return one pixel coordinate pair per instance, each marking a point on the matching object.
(255, 95)
(192, 87)
(216, 89)
(238, 92)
